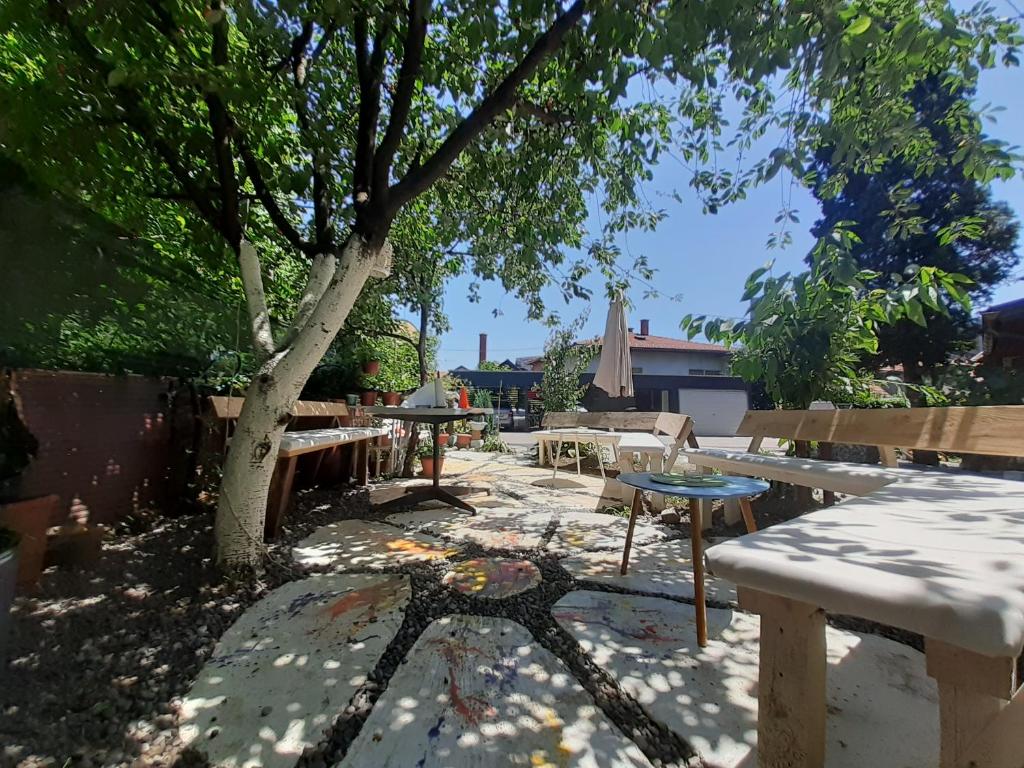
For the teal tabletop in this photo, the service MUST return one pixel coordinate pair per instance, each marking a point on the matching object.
(732, 487)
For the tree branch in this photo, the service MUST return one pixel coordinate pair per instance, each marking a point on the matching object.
(255, 299)
(412, 61)
(252, 169)
(320, 274)
(220, 128)
(501, 98)
(525, 108)
(370, 69)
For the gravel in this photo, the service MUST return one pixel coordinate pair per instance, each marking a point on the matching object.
(98, 659)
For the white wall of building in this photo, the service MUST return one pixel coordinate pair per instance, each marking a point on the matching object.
(656, 362)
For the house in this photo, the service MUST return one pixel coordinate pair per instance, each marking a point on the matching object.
(1002, 328)
(665, 356)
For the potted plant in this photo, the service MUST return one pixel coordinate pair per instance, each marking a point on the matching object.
(425, 452)
(8, 579)
(27, 517)
(352, 400)
(368, 397)
(442, 438)
(371, 364)
(463, 438)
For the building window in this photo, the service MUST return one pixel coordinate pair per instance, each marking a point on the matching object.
(705, 372)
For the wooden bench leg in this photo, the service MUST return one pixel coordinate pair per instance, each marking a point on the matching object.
(278, 497)
(981, 708)
(362, 451)
(791, 685)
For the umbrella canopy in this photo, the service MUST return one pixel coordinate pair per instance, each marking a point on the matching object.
(615, 369)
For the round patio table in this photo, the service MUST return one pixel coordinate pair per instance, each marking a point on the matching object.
(741, 488)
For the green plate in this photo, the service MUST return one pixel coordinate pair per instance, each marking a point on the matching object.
(692, 481)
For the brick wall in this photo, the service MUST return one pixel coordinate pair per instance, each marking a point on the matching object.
(106, 443)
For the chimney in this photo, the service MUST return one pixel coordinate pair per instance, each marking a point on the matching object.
(645, 327)
(483, 347)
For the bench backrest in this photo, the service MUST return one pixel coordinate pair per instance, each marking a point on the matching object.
(231, 408)
(677, 425)
(994, 430)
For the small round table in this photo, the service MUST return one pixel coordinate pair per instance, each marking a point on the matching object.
(741, 488)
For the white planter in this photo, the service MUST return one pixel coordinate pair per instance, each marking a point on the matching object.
(477, 425)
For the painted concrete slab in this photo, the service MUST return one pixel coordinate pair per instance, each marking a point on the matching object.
(478, 692)
(883, 709)
(493, 577)
(664, 567)
(594, 530)
(284, 670)
(357, 544)
(493, 528)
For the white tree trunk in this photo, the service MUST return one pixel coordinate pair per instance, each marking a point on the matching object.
(249, 465)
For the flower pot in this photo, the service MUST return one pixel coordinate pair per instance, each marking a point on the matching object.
(427, 463)
(392, 398)
(476, 426)
(8, 580)
(352, 399)
(463, 440)
(476, 443)
(368, 398)
(29, 518)
(476, 434)
(442, 439)
(371, 367)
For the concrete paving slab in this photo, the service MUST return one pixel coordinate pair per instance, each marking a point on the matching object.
(284, 670)
(593, 530)
(357, 544)
(662, 567)
(478, 692)
(882, 707)
(494, 528)
(492, 577)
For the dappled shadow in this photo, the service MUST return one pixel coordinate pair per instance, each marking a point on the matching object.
(280, 674)
(496, 528)
(882, 706)
(479, 691)
(940, 554)
(360, 544)
(593, 530)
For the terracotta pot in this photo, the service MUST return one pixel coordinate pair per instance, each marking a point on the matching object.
(476, 434)
(428, 466)
(371, 367)
(368, 398)
(463, 440)
(392, 398)
(8, 580)
(29, 518)
(442, 439)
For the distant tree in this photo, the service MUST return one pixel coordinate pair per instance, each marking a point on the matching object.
(904, 220)
(490, 365)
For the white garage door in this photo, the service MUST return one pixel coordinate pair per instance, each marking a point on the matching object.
(715, 412)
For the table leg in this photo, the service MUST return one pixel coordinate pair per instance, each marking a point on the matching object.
(555, 458)
(600, 461)
(435, 431)
(633, 513)
(577, 458)
(748, 514)
(697, 556)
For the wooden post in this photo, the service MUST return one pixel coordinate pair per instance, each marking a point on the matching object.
(791, 686)
(979, 727)
(277, 498)
(697, 557)
(748, 514)
(633, 513)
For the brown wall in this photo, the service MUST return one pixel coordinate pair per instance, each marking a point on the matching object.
(105, 442)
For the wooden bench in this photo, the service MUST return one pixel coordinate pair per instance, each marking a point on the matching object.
(989, 430)
(938, 553)
(295, 443)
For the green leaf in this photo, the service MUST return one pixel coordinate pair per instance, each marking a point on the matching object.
(859, 25)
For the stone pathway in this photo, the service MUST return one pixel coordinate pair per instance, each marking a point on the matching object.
(510, 638)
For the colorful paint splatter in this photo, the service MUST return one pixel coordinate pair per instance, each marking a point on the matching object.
(494, 578)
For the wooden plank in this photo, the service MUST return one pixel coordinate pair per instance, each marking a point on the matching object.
(963, 715)
(832, 476)
(791, 684)
(993, 430)
(637, 421)
(971, 671)
(231, 408)
(697, 558)
(1000, 743)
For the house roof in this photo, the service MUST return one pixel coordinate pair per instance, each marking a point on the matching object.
(1014, 306)
(667, 344)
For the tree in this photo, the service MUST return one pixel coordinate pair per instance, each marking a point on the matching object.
(302, 133)
(565, 360)
(905, 220)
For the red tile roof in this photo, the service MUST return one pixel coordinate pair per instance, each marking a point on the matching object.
(668, 344)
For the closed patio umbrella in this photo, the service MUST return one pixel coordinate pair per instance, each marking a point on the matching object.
(615, 368)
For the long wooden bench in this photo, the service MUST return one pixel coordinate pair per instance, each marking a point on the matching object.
(988, 430)
(296, 443)
(939, 553)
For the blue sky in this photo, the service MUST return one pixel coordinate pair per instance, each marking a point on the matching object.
(704, 258)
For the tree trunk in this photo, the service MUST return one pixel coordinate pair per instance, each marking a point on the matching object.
(249, 464)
